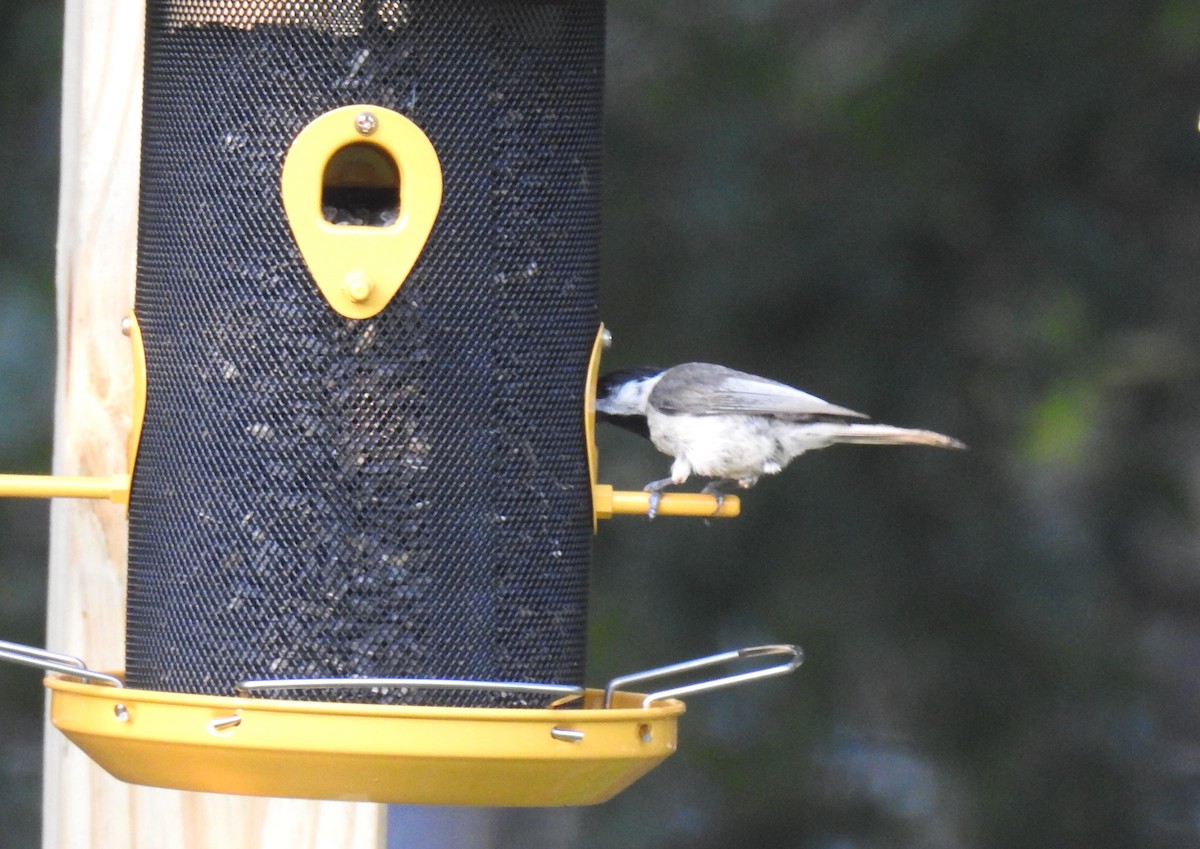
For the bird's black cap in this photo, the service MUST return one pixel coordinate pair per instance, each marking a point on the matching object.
(619, 377)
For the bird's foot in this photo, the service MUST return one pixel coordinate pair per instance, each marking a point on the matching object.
(655, 489)
(655, 499)
(718, 488)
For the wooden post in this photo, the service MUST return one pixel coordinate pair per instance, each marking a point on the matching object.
(84, 806)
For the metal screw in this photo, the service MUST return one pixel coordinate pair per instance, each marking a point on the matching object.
(121, 712)
(606, 339)
(366, 123)
(645, 734)
(127, 325)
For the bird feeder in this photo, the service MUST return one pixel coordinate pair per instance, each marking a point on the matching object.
(362, 473)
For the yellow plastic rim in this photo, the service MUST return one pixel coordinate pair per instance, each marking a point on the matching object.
(370, 753)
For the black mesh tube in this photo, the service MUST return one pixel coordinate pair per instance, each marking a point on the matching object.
(405, 495)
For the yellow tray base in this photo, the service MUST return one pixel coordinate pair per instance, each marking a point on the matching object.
(367, 753)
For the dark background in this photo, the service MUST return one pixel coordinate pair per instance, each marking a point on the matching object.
(976, 216)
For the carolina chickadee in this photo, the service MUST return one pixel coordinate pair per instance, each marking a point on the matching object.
(732, 426)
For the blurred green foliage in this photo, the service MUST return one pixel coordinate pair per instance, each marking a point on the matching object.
(976, 216)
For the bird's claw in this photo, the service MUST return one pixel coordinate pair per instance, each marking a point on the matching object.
(717, 490)
(655, 489)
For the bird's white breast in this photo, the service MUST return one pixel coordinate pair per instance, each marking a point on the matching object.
(715, 446)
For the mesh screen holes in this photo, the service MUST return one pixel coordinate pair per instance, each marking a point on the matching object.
(402, 496)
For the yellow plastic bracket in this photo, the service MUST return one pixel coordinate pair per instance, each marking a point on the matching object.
(589, 418)
(360, 267)
(138, 417)
(608, 502)
(114, 488)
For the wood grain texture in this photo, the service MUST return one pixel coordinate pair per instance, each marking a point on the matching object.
(84, 806)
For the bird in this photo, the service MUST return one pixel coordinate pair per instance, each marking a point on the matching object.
(731, 426)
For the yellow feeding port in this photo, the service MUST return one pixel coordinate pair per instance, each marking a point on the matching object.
(361, 187)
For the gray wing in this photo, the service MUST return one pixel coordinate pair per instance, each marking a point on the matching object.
(703, 389)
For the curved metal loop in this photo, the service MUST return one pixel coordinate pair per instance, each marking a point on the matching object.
(49, 661)
(794, 654)
(246, 688)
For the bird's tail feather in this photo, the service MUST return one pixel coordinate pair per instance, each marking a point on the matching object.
(881, 434)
